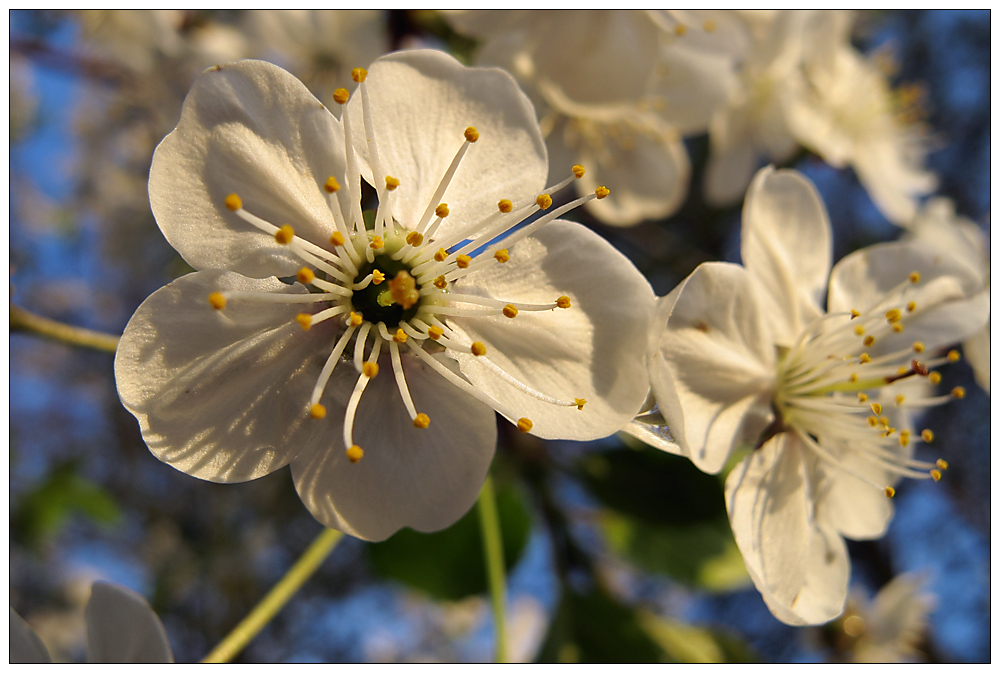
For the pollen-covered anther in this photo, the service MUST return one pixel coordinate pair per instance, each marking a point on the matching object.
(471, 134)
(890, 492)
(935, 475)
(914, 277)
(911, 306)
(391, 183)
(477, 348)
(602, 192)
(958, 392)
(855, 314)
(900, 399)
(579, 171)
(862, 397)
(337, 239)
(440, 255)
(305, 275)
(355, 319)
(953, 356)
(502, 256)
(864, 358)
(317, 411)
(893, 315)
(941, 463)
(217, 300)
(853, 378)
(285, 234)
(400, 336)
(904, 437)
(709, 26)
(918, 347)
(876, 408)
(543, 201)
(234, 202)
(403, 289)
(869, 340)
(441, 282)
(377, 243)
(510, 311)
(422, 421)
(579, 402)
(442, 210)
(377, 277)
(505, 205)
(859, 330)
(563, 302)
(355, 453)
(934, 377)
(463, 261)
(359, 75)
(897, 327)
(927, 435)
(331, 185)
(415, 239)
(525, 424)
(680, 29)
(872, 421)
(341, 96)
(369, 369)
(435, 332)
(305, 320)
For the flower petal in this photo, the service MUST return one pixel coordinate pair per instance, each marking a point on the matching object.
(421, 103)
(977, 354)
(123, 629)
(252, 129)
(714, 371)
(220, 395)
(800, 567)
(594, 350)
(422, 478)
(786, 247)
(25, 645)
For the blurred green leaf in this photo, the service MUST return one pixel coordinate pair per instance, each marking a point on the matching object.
(449, 565)
(694, 645)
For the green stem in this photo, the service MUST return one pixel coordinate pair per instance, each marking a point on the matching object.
(74, 336)
(275, 599)
(493, 551)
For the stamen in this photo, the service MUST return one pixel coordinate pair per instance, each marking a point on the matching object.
(217, 301)
(285, 234)
(477, 348)
(355, 453)
(505, 205)
(234, 202)
(317, 411)
(578, 171)
(525, 425)
(341, 96)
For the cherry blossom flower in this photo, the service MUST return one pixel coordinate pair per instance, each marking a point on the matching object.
(746, 358)
(371, 354)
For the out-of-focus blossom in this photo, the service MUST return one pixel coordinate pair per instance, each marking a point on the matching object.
(747, 357)
(234, 373)
(888, 628)
(121, 628)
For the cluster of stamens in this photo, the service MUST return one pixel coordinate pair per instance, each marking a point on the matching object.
(393, 287)
(831, 391)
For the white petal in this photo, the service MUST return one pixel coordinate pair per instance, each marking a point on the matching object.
(786, 247)
(595, 350)
(252, 129)
(693, 84)
(123, 629)
(732, 159)
(894, 181)
(221, 395)
(800, 568)
(25, 645)
(716, 365)
(421, 103)
(425, 479)
(977, 354)
(855, 508)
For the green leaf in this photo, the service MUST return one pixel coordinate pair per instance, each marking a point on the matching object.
(449, 564)
(695, 645)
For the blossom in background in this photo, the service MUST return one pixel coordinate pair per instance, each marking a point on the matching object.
(747, 357)
(888, 628)
(940, 226)
(121, 628)
(370, 357)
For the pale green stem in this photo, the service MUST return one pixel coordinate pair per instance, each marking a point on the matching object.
(275, 599)
(489, 521)
(68, 334)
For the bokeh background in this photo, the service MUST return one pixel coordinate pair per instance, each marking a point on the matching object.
(616, 552)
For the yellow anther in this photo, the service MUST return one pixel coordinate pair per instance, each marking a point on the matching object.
(359, 75)
(502, 256)
(602, 192)
(377, 277)
(918, 347)
(902, 370)
(853, 378)
(341, 96)
(337, 238)
(914, 277)
(876, 408)
(435, 332)
(377, 243)
(953, 356)
(317, 411)
(958, 392)
(524, 424)
(563, 302)
(890, 492)
(415, 239)
(369, 369)
(471, 134)
(888, 432)
(872, 421)
(936, 475)
(355, 319)
(305, 320)
(505, 205)
(900, 399)
(440, 282)
(400, 336)
(422, 421)
(284, 234)
(234, 202)
(578, 171)
(463, 261)
(543, 201)
(510, 310)
(680, 29)
(305, 275)
(911, 306)
(442, 210)
(862, 397)
(355, 453)
(440, 255)
(709, 26)
(934, 377)
(579, 402)
(477, 348)
(897, 327)
(869, 340)
(893, 315)
(927, 435)
(855, 314)
(904, 437)
(403, 289)
(331, 185)
(859, 329)
(864, 358)
(884, 421)
(942, 464)
(391, 183)
(217, 300)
